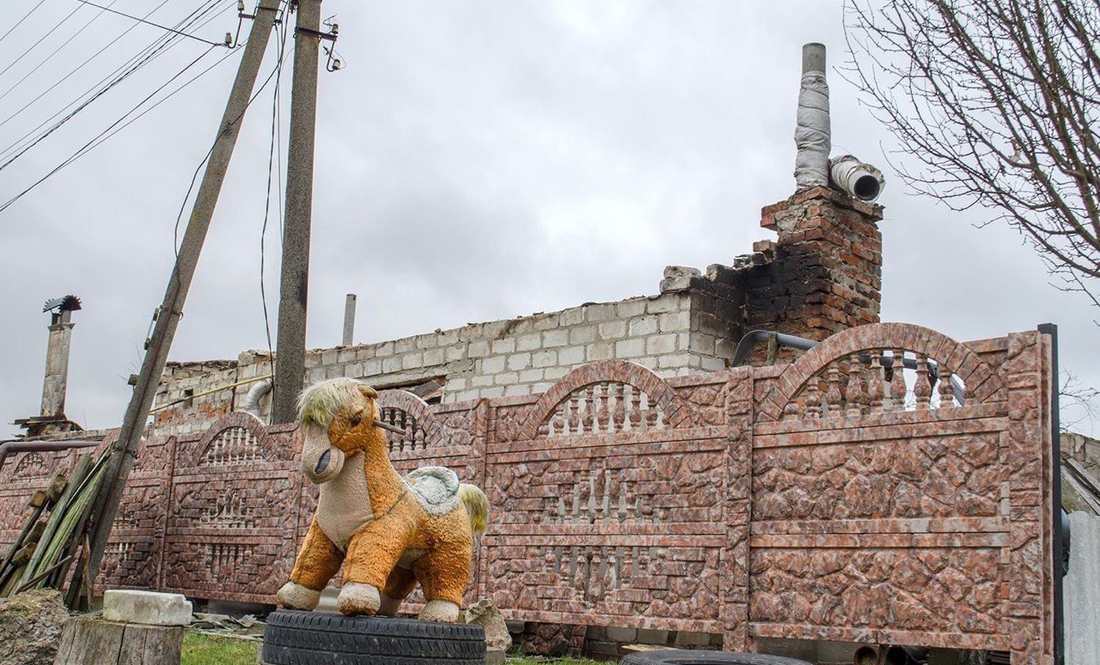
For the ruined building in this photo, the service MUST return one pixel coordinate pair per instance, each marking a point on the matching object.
(819, 276)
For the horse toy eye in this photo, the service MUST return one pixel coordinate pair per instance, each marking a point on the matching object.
(355, 420)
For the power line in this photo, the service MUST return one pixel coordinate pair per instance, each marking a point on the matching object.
(34, 45)
(43, 61)
(20, 21)
(194, 177)
(158, 47)
(87, 147)
(157, 25)
(66, 77)
(276, 140)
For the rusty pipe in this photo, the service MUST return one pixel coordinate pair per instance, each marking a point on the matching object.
(10, 447)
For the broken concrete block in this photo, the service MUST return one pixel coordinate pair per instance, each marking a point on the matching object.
(485, 614)
(148, 607)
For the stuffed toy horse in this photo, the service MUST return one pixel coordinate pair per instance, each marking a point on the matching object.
(388, 532)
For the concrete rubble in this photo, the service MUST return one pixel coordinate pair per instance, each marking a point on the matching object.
(30, 627)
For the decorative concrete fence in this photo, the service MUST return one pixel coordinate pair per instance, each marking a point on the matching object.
(836, 498)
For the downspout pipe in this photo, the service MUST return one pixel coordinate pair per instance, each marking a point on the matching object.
(251, 403)
(754, 337)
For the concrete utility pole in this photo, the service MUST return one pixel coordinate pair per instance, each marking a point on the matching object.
(290, 352)
(125, 449)
(349, 320)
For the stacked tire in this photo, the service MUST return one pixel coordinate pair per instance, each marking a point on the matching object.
(314, 638)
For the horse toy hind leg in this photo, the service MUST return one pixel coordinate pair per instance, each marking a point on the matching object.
(388, 532)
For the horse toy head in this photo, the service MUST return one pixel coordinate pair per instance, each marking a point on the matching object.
(340, 418)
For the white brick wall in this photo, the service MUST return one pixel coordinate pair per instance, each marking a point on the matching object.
(512, 357)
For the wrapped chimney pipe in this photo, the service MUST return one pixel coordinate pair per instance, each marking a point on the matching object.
(812, 135)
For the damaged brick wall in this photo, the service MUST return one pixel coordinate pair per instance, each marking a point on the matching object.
(820, 276)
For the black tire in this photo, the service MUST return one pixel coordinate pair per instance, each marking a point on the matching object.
(293, 637)
(679, 657)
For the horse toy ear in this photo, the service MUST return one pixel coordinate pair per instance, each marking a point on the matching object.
(368, 392)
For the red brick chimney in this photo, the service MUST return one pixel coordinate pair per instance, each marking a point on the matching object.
(826, 269)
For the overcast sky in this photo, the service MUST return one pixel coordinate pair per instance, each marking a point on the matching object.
(475, 161)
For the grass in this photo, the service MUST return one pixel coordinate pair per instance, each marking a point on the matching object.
(204, 649)
(530, 660)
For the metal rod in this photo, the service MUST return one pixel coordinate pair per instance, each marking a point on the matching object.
(10, 447)
(43, 575)
(290, 354)
(125, 449)
(210, 392)
(1056, 526)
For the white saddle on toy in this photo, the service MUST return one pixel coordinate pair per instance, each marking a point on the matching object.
(435, 487)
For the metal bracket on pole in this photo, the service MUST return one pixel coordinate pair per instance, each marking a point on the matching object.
(330, 36)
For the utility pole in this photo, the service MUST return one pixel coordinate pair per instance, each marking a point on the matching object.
(290, 352)
(125, 449)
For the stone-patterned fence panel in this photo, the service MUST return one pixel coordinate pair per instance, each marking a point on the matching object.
(608, 496)
(885, 509)
(135, 551)
(26, 473)
(234, 514)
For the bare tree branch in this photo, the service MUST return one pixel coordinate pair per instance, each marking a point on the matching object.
(995, 104)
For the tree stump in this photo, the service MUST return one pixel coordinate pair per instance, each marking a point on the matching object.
(88, 641)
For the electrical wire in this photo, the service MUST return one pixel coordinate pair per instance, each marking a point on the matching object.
(43, 61)
(20, 21)
(40, 40)
(83, 150)
(194, 177)
(66, 77)
(155, 25)
(165, 43)
(276, 142)
(161, 40)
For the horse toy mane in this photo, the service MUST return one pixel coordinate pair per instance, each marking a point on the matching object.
(388, 532)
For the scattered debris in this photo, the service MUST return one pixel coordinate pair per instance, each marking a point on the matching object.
(247, 627)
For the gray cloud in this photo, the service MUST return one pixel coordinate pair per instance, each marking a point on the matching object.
(476, 161)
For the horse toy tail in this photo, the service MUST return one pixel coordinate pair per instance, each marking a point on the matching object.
(477, 507)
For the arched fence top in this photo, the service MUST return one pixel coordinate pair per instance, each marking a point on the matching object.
(236, 437)
(982, 383)
(594, 386)
(403, 409)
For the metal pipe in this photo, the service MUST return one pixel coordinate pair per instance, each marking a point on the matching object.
(10, 447)
(812, 134)
(752, 338)
(855, 178)
(252, 399)
(210, 392)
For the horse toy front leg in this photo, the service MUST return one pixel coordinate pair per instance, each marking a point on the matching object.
(317, 563)
(373, 553)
